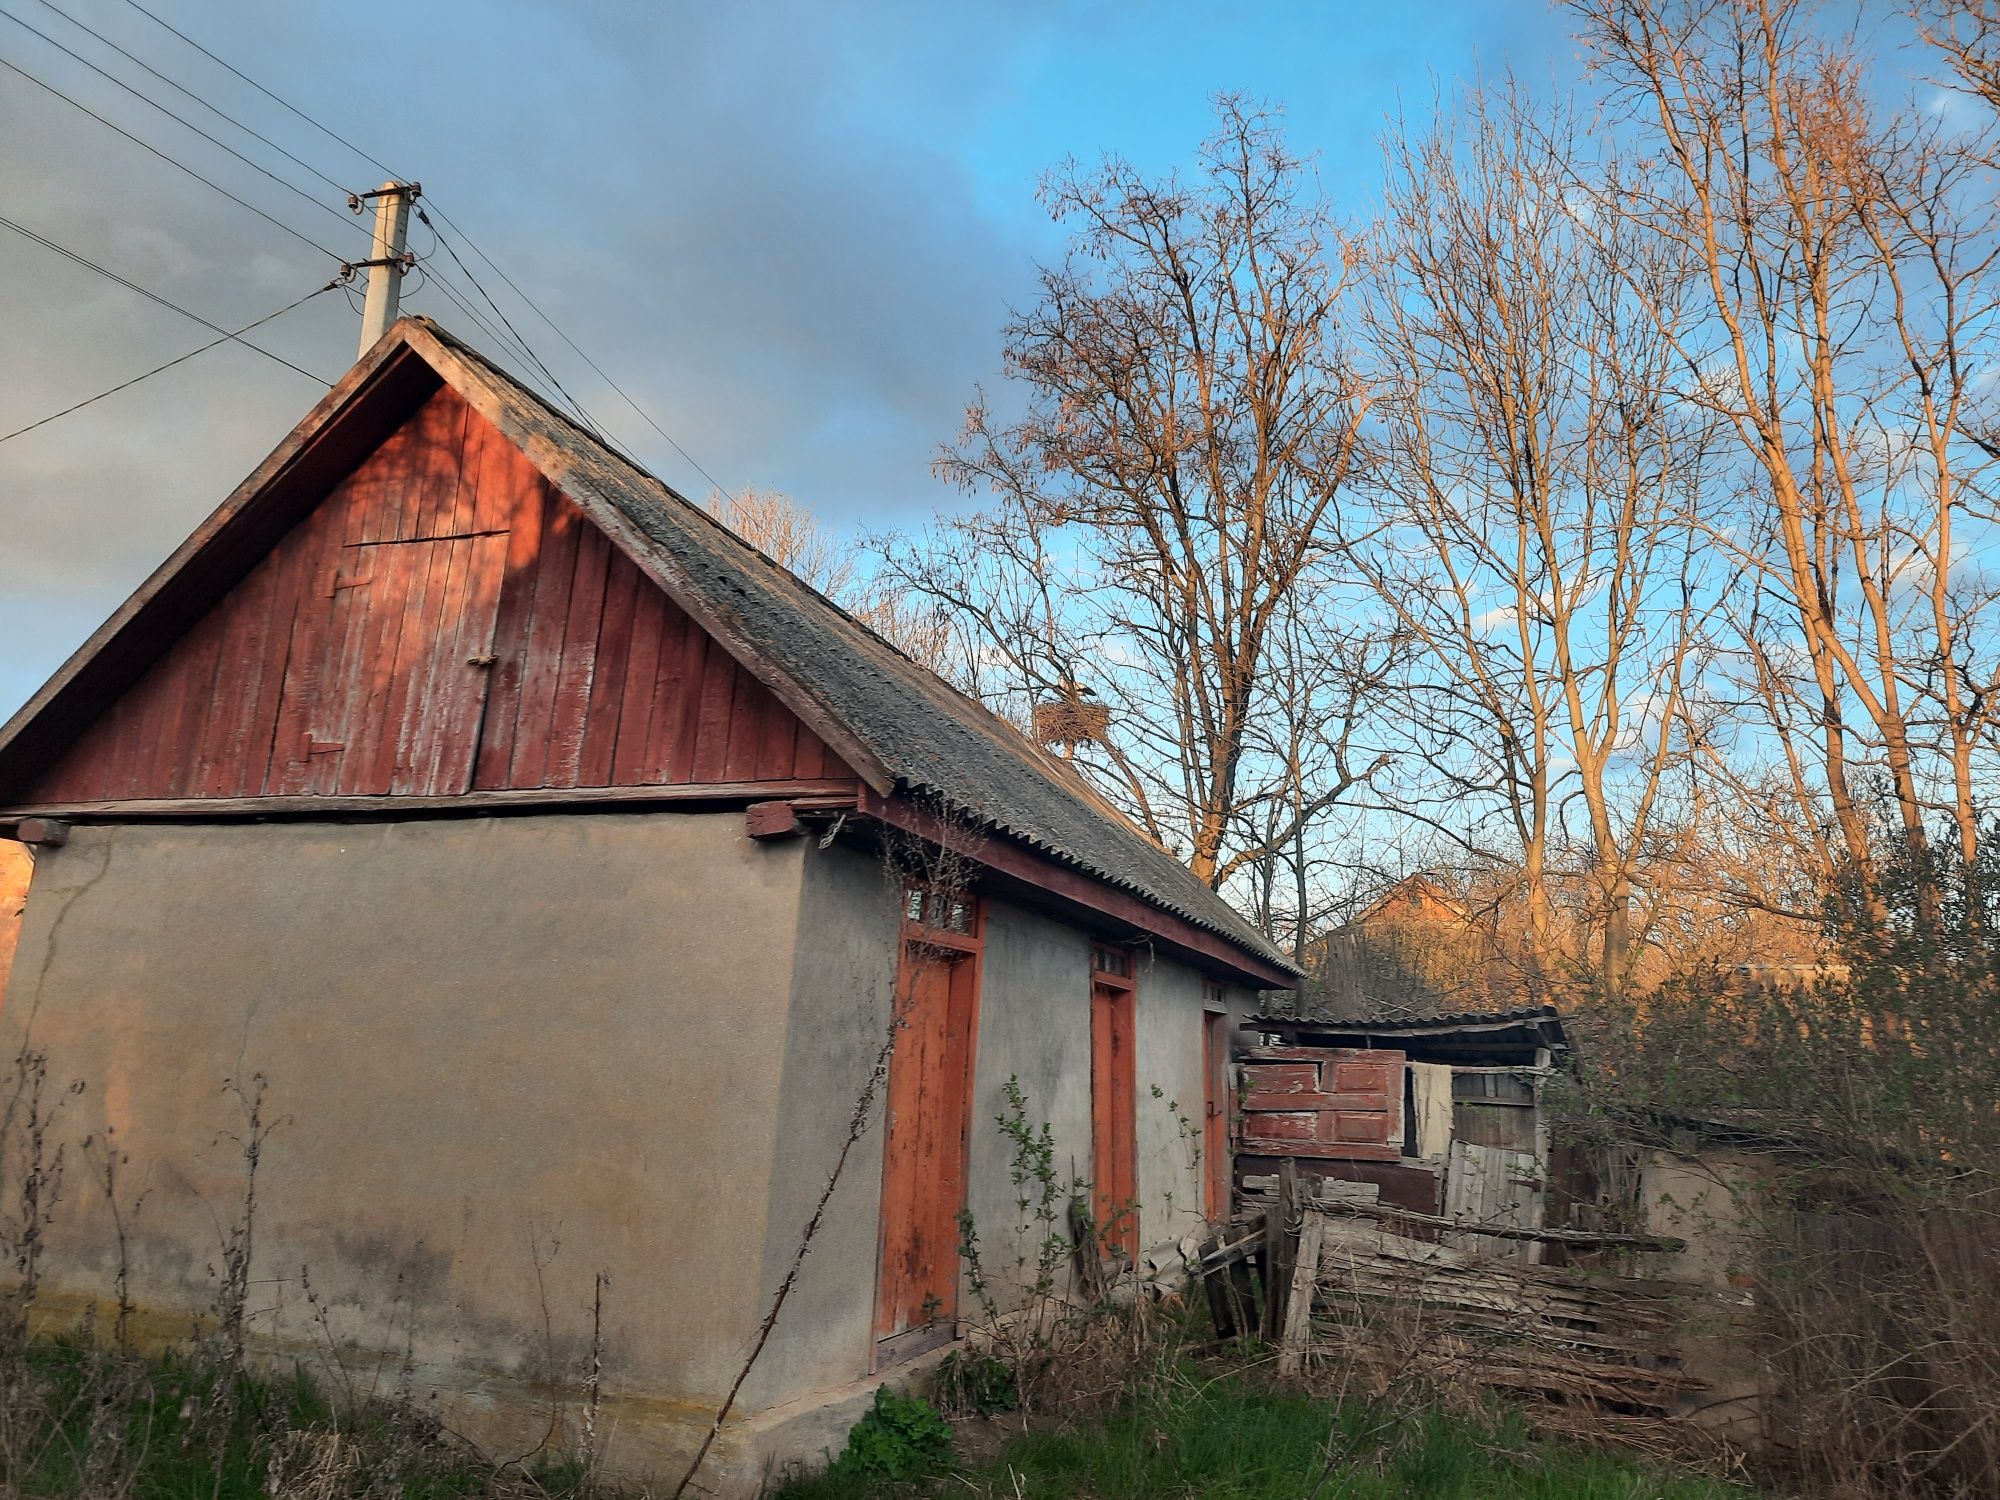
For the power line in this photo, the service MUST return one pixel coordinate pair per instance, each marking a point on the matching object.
(172, 161)
(644, 416)
(185, 123)
(540, 363)
(478, 319)
(235, 336)
(324, 130)
(331, 134)
(248, 130)
(133, 286)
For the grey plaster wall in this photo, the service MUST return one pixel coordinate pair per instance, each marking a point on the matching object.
(500, 1056)
(841, 992)
(1034, 1024)
(1169, 1051)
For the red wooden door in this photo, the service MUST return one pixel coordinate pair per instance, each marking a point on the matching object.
(923, 1172)
(1215, 1112)
(1340, 1103)
(403, 672)
(1113, 1109)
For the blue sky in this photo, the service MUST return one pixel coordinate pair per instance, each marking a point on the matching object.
(792, 231)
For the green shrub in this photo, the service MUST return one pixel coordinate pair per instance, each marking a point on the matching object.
(900, 1437)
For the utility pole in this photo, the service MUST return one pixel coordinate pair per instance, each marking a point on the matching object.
(389, 258)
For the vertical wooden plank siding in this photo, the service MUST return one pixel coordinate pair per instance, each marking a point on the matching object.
(442, 620)
(517, 600)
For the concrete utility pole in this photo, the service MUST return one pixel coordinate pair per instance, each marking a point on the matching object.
(389, 258)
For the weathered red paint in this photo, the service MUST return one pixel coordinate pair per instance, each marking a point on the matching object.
(1018, 862)
(1114, 1111)
(1322, 1102)
(924, 1150)
(442, 622)
(1215, 1113)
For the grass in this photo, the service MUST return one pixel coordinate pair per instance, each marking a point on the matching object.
(85, 1422)
(177, 1428)
(1235, 1440)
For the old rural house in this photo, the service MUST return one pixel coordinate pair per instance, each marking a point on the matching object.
(1419, 948)
(535, 842)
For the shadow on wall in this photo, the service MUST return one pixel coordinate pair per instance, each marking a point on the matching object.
(16, 864)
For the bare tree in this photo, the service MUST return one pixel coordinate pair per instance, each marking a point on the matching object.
(1843, 246)
(1326, 678)
(793, 537)
(1533, 534)
(1190, 421)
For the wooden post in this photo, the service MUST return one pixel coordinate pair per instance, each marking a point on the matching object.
(1279, 1247)
(1305, 1282)
(1218, 1293)
(50, 833)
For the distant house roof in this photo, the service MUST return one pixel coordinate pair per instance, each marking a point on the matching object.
(1418, 896)
(899, 725)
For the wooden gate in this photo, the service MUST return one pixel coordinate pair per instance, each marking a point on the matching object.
(1494, 1186)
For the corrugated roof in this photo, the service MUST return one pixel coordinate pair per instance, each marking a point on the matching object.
(930, 737)
(1470, 1020)
(1440, 1022)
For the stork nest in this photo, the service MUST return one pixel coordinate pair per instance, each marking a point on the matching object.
(1071, 722)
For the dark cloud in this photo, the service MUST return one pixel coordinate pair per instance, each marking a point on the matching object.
(791, 231)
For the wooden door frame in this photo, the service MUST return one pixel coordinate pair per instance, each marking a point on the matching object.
(916, 938)
(1121, 985)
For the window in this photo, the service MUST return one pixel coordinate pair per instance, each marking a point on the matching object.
(945, 911)
(1116, 962)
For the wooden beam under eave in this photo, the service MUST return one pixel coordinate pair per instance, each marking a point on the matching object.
(686, 797)
(1076, 888)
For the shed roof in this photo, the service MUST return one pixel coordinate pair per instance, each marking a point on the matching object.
(900, 725)
(1499, 1036)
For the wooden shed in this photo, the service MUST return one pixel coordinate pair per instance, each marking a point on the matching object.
(1441, 1113)
(548, 868)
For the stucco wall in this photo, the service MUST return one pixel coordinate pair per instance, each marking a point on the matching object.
(1034, 1026)
(618, 1042)
(1713, 1201)
(479, 1037)
(1169, 1060)
(842, 986)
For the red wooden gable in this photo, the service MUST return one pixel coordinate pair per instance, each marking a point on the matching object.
(443, 621)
